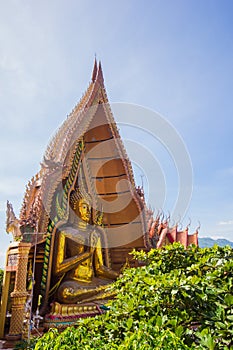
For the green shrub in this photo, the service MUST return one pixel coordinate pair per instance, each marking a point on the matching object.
(181, 299)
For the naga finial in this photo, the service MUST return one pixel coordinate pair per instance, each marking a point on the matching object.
(199, 226)
(189, 224)
(12, 223)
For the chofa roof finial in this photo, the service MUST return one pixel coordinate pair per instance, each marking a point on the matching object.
(94, 72)
(100, 77)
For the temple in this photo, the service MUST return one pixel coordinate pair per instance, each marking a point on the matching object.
(82, 214)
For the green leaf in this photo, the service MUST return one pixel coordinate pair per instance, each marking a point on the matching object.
(229, 299)
(129, 323)
(179, 331)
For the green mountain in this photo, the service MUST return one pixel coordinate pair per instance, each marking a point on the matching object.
(209, 242)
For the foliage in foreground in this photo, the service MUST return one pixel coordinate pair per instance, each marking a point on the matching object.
(182, 299)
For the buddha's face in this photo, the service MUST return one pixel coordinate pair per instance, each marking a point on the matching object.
(84, 210)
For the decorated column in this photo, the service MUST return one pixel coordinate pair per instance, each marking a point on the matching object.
(19, 295)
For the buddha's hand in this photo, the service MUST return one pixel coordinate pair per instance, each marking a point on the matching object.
(67, 292)
(93, 239)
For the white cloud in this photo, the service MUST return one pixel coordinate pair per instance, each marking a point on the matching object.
(229, 222)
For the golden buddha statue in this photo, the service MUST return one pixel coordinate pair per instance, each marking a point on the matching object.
(78, 258)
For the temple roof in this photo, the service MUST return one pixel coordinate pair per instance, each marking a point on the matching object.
(57, 148)
(58, 158)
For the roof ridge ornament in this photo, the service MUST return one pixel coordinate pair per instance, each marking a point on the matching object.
(100, 77)
(94, 72)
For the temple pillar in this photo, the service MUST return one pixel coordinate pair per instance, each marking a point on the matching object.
(19, 295)
(5, 292)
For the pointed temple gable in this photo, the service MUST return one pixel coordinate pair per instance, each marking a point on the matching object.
(81, 217)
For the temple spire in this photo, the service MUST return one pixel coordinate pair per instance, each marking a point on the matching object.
(94, 72)
(100, 77)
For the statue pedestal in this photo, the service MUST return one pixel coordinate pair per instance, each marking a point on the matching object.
(63, 315)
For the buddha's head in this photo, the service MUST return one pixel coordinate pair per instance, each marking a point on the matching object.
(84, 210)
(80, 202)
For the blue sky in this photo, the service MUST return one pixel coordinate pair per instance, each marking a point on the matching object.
(174, 57)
